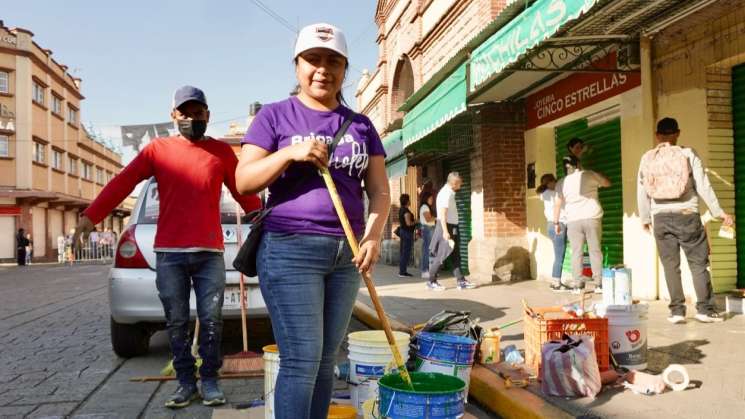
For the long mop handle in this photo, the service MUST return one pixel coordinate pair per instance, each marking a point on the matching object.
(366, 277)
(239, 233)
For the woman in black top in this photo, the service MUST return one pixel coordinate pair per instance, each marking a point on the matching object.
(21, 243)
(406, 233)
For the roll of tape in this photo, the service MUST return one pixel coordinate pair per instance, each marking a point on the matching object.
(676, 385)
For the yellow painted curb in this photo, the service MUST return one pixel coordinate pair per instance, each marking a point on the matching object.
(486, 386)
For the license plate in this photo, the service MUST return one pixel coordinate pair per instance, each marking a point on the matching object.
(232, 298)
(229, 235)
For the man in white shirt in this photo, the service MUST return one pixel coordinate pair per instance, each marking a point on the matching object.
(578, 192)
(445, 239)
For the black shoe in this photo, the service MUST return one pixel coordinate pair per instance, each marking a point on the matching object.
(559, 288)
(405, 275)
(182, 397)
(211, 394)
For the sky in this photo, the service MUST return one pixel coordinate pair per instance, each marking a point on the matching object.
(132, 55)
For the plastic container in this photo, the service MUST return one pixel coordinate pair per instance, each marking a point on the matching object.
(608, 291)
(435, 396)
(370, 358)
(341, 411)
(621, 287)
(271, 371)
(553, 325)
(490, 353)
(627, 334)
(446, 354)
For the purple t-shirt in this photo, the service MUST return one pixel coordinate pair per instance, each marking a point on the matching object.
(308, 209)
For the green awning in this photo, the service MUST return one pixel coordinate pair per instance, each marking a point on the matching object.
(444, 103)
(397, 168)
(393, 145)
(540, 21)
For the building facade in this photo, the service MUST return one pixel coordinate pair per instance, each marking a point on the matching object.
(500, 100)
(50, 167)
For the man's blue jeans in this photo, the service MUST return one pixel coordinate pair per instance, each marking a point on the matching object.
(176, 272)
(426, 240)
(309, 284)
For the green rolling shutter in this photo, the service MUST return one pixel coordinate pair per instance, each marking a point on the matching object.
(604, 156)
(462, 165)
(738, 119)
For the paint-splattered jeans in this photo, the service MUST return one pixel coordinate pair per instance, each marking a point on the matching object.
(176, 272)
(309, 284)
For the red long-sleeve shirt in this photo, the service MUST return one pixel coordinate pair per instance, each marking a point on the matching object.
(190, 177)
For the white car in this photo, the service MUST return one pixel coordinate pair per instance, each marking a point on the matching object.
(136, 310)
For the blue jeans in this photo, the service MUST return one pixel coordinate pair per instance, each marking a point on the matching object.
(560, 246)
(309, 284)
(426, 240)
(404, 252)
(176, 272)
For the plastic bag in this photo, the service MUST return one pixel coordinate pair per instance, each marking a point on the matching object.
(569, 368)
(455, 323)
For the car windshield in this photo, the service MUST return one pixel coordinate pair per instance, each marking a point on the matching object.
(151, 206)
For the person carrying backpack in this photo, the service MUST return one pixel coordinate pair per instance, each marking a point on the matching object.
(670, 180)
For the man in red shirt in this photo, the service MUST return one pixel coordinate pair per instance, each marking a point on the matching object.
(190, 170)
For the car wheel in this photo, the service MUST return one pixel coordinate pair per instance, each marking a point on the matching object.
(129, 340)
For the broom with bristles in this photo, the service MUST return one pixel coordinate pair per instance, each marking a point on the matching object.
(243, 361)
(170, 370)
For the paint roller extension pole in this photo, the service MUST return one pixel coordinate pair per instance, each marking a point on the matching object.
(366, 276)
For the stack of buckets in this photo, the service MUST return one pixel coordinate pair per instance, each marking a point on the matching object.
(627, 322)
(370, 358)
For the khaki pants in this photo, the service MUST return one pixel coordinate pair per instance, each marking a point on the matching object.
(579, 232)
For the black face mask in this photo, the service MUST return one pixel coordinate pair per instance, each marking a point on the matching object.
(192, 129)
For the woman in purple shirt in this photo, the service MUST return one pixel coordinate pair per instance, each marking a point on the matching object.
(307, 273)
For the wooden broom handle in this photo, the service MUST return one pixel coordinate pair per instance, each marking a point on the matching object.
(366, 276)
(239, 232)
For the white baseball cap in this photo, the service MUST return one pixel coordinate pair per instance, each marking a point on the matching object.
(321, 35)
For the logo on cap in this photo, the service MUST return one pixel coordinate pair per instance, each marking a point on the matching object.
(324, 33)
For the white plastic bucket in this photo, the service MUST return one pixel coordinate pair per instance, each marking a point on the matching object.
(271, 371)
(627, 334)
(370, 358)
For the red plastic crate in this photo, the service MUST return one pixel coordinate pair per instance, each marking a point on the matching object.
(553, 325)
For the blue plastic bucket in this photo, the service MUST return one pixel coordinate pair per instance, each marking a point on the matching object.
(435, 396)
(446, 354)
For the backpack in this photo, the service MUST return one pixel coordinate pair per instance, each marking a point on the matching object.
(666, 172)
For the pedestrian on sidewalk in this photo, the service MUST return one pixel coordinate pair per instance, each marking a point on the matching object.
(307, 273)
(29, 248)
(61, 249)
(577, 194)
(190, 169)
(446, 237)
(21, 243)
(547, 192)
(670, 180)
(407, 227)
(427, 222)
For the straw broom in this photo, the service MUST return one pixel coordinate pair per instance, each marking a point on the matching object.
(342, 214)
(243, 361)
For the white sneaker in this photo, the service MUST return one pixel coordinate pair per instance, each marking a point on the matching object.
(709, 318)
(676, 319)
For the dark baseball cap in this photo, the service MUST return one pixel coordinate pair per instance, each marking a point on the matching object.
(188, 93)
(667, 126)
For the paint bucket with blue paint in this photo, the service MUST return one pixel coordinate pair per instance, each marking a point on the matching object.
(435, 396)
(447, 354)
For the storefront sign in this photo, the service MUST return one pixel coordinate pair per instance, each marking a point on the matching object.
(10, 210)
(538, 22)
(576, 92)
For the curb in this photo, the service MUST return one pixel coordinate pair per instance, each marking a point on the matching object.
(486, 387)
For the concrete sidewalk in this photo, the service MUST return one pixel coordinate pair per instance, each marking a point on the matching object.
(712, 353)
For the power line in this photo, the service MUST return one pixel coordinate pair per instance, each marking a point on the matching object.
(274, 15)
